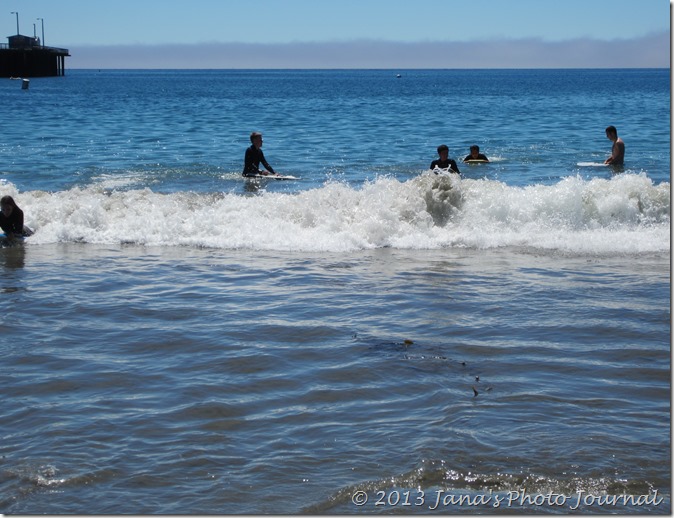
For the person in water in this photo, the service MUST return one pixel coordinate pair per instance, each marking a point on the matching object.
(255, 156)
(475, 155)
(618, 150)
(11, 219)
(444, 162)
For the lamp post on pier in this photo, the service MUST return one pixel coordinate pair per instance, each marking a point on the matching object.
(42, 20)
(17, 22)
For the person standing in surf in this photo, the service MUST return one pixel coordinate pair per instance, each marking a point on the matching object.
(255, 156)
(618, 150)
(444, 162)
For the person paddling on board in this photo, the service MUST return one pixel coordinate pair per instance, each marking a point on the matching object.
(11, 219)
(254, 155)
(618, 150)
(444, 162)
(476, 155)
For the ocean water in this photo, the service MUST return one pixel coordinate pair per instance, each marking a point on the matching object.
(370, 338)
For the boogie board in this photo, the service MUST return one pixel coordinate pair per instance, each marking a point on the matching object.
(5, 241)
(271, 177)
(478, 161)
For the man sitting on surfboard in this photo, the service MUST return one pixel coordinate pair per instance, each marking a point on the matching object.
(475, 155)
(618, 150)
(444, 162)
(254, 155)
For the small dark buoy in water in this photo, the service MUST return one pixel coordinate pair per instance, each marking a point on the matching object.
(398, 75)
(25, 83)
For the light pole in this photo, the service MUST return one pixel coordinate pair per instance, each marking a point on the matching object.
(17, 22)
(42, 20)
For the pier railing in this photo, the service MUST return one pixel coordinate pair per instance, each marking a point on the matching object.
(55, 50)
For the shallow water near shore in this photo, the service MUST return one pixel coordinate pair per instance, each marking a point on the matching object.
(158, 387)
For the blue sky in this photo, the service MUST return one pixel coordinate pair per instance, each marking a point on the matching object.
(343, 33)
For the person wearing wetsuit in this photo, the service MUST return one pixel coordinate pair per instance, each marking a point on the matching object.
(255, 156)
(475, 155)
(11, 218)
(444, 162)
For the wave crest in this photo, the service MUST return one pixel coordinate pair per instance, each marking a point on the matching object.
(624, 214)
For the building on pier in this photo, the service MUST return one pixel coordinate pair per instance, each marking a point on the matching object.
(25, 56)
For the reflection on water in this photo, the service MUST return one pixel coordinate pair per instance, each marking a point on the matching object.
(13, 257)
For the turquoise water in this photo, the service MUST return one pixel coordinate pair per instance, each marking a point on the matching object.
(371, 338)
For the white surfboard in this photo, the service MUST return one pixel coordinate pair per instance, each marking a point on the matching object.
(591, 164)
(271, 177)
(444, 172)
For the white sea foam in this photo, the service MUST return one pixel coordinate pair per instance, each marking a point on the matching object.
(624, 214)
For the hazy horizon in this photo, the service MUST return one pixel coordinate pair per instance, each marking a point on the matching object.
(650, 51)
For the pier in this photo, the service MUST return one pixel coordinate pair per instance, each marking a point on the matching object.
(25, 56)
